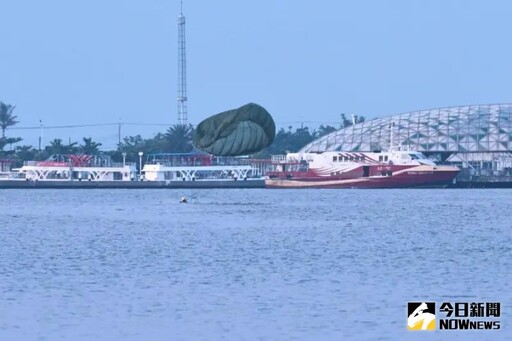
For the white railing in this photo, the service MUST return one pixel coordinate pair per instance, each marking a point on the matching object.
(278, 158)
(120, 164)
(12, 176)
(69, 164)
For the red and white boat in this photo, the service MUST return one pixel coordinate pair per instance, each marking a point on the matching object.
(392, 169)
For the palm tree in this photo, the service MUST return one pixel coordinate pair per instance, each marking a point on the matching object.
(179, 138)
(71, 148)
(345, 122)
(57, 147)
(131, 144)
(26, 153)
(324, 130)
(7, 119)
(89, 147)
(4, 141)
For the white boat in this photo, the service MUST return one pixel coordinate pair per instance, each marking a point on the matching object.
(391, 169)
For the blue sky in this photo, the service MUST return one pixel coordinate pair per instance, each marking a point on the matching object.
(81, 62)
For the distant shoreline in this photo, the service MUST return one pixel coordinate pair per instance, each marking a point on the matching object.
(211, 184)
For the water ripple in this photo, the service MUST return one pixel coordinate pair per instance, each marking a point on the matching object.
(244, 264)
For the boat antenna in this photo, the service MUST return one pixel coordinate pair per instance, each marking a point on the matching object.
(391, 136)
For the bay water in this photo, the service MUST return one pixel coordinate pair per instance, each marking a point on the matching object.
(248, 264)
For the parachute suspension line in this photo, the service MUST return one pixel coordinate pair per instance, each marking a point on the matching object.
(182, 69)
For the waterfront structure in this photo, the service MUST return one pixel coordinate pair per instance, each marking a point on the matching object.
(5, 165)
(202, 167)
(163, 170)
(476, 136)
(76, 168)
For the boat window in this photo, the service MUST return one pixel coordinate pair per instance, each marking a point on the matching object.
(381, 158)
(386, 158)
(334, 158)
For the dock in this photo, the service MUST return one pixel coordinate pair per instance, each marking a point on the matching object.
(4, 184)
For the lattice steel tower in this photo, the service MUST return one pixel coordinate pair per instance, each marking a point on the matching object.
(182, 70)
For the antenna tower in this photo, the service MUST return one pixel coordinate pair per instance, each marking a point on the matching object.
(182, 69)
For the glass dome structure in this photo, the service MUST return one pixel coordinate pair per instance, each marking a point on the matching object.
(465, 129)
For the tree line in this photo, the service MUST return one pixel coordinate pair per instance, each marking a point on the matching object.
(176, 139)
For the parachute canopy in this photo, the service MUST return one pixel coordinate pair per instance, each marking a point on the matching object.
(241, 131)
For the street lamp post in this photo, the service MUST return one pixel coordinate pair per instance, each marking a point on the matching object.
(124, 158)
(140, 165)
(41, 135)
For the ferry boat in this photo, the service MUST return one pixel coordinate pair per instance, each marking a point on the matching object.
(391, 169)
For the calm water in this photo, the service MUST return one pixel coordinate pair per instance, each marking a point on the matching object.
(247, 264)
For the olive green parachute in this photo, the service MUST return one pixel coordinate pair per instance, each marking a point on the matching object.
(241, 131)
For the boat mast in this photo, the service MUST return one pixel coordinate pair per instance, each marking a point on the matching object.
(391, 147)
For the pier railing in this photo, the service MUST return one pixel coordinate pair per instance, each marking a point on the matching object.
(70, 164)
(278, 158)
(188, 161)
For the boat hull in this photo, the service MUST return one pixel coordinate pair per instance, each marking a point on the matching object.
(421, 176)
